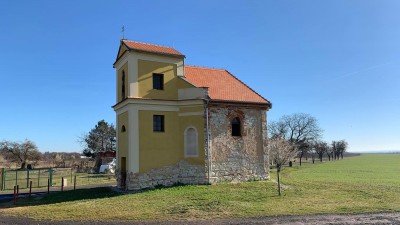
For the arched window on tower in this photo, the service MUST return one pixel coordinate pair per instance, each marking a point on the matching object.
(123, 129)
(235, 124)
(123, 85)
(191, 142)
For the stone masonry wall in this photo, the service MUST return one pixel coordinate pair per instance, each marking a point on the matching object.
(182, 172)
(241, 158)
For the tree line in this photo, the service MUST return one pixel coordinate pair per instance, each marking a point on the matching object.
(299, 135)
(303, 132)
(26, 152)
(101, 138)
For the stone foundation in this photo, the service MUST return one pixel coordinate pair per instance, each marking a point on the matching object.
(182, 172)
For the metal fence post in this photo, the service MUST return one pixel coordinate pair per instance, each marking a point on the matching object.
(51, 176)
(17, 192)
(3, 179)
(16, 177)
(30, 188)
(27, 178)
(38, 179)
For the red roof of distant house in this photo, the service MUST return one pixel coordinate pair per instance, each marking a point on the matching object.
(133, 45)
(222, 85)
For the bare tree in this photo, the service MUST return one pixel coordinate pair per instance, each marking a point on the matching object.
(20, 152)
(339, 147)
(321, 148)
(280, 152)
(313, 154)
(300, 129)
(50, 158)
(335, 150)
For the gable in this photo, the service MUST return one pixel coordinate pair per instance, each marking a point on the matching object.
(122, 49)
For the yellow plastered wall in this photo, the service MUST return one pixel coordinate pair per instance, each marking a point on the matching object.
(184, 84)
(145, 80)
(119, 82)
(158, 149)
(187, 109)
(198, 122)
(123, 137)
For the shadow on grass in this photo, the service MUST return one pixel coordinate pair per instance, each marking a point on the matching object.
(65, 196)
(78, 194)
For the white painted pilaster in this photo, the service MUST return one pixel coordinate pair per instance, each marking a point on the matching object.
(133, 161)
(133, 76)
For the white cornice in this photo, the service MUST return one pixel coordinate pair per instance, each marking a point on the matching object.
(121, 61)
(167, 105)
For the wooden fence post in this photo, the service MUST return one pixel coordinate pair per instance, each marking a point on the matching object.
(62, 183)
(30, 188)
(3, 179)
(74, 182)
(15, 195)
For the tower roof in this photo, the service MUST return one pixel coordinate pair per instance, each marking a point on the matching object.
(157, 49)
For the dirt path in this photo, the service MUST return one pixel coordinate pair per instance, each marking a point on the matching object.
(370, 218)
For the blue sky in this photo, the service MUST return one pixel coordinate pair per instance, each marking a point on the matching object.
(336, 60)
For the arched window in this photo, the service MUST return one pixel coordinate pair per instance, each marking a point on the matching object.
(236, 127)
(191, 142)
(123, 129)
(123, 85)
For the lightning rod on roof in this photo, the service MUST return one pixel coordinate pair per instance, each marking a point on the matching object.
(123, 31)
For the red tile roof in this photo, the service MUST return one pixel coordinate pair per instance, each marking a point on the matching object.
(222, 85)
(133, 45)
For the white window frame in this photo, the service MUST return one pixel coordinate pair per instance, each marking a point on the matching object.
(186, 143)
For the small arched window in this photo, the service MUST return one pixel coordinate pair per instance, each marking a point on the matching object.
(236, 127)
(123, 85)
(123, 129)
(191, 142)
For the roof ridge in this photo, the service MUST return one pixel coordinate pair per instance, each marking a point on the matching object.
(203, 67)
(248, 86)
(148, 44)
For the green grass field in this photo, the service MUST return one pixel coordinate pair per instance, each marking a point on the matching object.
(367, 183)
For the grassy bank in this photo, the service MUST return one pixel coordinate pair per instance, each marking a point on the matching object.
(368, 183)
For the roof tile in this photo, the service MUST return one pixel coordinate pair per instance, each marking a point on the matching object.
(151, 48)
(222, 85)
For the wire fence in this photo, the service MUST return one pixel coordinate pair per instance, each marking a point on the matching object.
(53, 177)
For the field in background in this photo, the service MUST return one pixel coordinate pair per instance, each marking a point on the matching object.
(368, 183)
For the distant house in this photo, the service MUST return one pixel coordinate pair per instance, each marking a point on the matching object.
(184, 124)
